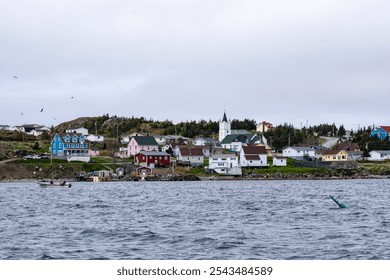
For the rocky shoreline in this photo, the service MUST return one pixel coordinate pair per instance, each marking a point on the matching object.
(18, 171)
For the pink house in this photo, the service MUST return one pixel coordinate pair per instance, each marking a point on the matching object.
(141, 143)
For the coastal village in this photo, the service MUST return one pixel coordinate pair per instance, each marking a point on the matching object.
(234, 153)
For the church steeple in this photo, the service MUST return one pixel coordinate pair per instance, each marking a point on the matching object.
(224, 127)
(224, 119)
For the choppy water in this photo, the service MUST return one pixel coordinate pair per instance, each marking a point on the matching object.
(196, 220)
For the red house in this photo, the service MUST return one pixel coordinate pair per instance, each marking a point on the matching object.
(158, 159)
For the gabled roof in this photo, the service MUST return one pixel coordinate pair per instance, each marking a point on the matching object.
(239, 131)
(71, 135)
(243, 138)
(385, 128)
(301, 148)
(223, 156)
(279, 157)
(254, 150)
(346, 146)
(190, 151)
(331, 152)
(154, 153)
(252, 157)
(385, 152)
(145, 140)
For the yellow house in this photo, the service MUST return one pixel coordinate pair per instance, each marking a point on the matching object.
(334, 155)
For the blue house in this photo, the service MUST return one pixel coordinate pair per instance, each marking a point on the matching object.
(69, 145)
(381, 132)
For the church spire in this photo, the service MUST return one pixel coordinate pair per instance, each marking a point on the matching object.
(224, 119)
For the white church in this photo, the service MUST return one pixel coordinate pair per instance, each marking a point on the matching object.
(225, 129)
(234, 139)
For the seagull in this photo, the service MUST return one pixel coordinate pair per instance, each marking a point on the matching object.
(42, 110)
(15, 77)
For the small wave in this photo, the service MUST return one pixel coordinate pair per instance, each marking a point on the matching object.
(150, 235)
(89, 231)
(331, 236)
(46, 257)
(253, 208)
(229, 245)
(102, 206)
(204, 240)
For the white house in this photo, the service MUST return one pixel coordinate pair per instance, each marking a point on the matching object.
(279, 161)
(379, 155)
(253, 156)
(235, 142)
(81, 130)
(189, 155)
(4, 127)
(225, 164)
(201, 141)
(95, 138)
(39, 131)
(263, 127)
(126, 138)
(160, 139)
(299, 153)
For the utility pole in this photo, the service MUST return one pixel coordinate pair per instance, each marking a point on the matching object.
(117, 132)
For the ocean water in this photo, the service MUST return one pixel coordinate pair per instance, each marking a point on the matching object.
(196, 220)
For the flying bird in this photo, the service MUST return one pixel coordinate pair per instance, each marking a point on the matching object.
(15, 77)
(72, 97)
(42, 110)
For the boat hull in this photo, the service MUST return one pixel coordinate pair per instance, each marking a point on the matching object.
(48, 184)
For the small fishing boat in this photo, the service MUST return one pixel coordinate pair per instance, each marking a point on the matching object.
(51, 183)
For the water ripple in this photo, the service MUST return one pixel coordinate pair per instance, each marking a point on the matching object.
(196, 220)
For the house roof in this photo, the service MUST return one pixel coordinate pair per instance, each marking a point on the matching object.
(145, 140)
(71, 134)
(385, 152)
(331, 152)
(243, 138)
(279, 157)
(154, 153)
(223, 156)
(301, 148)
(347, 146)
(239, 131)
(252, 157)
(254, 150)
(190, 151)
(385, 128)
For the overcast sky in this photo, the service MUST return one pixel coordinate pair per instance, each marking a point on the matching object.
(281, 61)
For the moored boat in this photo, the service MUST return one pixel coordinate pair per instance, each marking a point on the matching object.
(51, 183)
